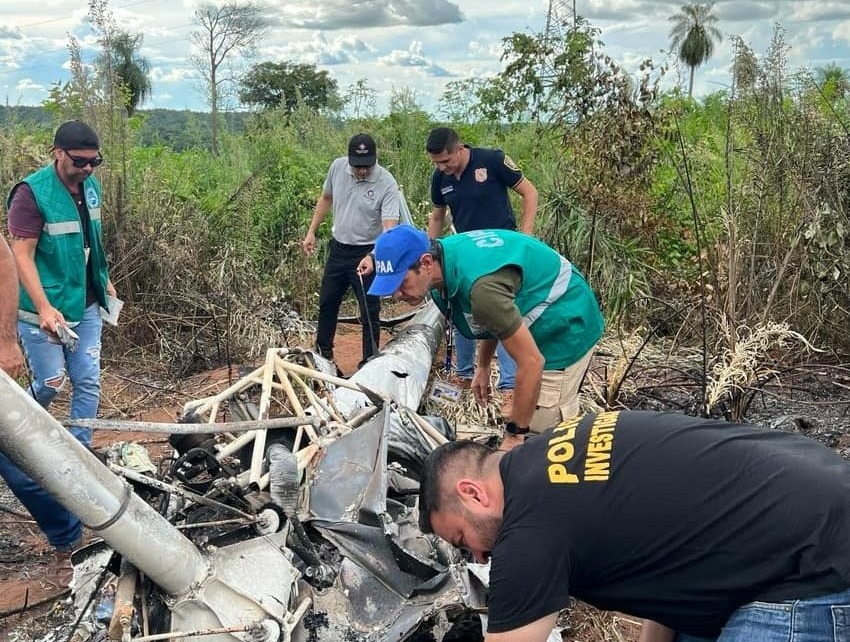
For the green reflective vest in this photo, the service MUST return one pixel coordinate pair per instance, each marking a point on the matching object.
(556, 304)
(60, 254)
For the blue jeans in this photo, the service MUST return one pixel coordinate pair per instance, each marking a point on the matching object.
(818, 619)
(465, 361)
(51, 364)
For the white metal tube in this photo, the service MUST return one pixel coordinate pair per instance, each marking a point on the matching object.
(53, 458)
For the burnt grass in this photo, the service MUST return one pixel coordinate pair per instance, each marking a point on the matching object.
(813, 400)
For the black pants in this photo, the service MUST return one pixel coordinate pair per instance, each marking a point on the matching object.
(340, 274)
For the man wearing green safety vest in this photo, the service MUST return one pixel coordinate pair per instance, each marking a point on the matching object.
(500, 285)
(57, 241)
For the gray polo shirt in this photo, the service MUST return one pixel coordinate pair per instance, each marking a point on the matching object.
(360, 207)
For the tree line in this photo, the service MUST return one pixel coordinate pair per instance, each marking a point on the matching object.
(719, 225)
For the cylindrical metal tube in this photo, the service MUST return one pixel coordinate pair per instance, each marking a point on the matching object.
(53, 458)
(401, 369)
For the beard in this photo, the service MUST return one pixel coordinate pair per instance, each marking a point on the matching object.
(487, 527)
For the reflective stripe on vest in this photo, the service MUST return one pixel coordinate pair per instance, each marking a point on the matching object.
(559, 287)
(66, 227)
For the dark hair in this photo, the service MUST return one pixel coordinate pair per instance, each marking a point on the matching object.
(468, 453)
(442, 139)
(435, 250)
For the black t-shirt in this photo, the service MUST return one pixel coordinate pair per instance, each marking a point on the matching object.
(479, 200)
(673, 518)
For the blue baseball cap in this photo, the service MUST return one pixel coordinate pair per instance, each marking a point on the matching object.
(396, 250)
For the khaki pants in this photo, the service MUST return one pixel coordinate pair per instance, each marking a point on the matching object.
(558, 398)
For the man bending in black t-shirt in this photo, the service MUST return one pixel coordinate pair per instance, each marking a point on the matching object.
(679, 520)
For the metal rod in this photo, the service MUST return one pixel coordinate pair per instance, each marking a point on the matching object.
(365, 310)
(168, 488)
(243, 628)
(221, 522)
(192, 429)
(259, 447)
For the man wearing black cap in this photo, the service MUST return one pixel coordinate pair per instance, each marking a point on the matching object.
(365, 201)
(55, 227)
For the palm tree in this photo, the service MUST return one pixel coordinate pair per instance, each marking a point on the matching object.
(693, 36)
(129, 68)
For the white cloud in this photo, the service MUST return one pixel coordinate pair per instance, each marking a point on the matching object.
(319, 50)
(413, 57)
(345, 14)
(842, 31)
(491, 49)
(395, 44)
(26, 84)
(173, 75)
(7, 33)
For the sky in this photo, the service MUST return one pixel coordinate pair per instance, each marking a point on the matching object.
(394, 45)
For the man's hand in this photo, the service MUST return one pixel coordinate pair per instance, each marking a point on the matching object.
(366, 265)
(11, 357)
(654, 632)
(49, 318)
(509, 441)
(309, 243)
(481, 385)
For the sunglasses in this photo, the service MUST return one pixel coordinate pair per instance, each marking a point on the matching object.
(80, 161)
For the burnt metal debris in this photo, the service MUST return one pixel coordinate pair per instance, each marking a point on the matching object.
(287, 512)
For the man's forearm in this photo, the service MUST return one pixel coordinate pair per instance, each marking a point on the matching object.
(436, 221)
(320, 211)
(526, 394)
(654, 632)
(486, 350)
(31, 281)
(528, 193)
(529, 373)
(9, 287)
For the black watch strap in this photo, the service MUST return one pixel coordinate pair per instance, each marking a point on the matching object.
(514, 429)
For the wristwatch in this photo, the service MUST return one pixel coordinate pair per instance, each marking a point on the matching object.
(514, 429)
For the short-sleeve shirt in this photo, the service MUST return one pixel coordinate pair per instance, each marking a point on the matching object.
(677, 519)
(479, 200)
(360, 207)
(25, 219)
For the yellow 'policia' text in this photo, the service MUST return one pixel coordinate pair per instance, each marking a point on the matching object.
(597, 465)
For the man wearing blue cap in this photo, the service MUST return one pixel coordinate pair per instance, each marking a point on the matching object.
(57, 241)
(506, 286)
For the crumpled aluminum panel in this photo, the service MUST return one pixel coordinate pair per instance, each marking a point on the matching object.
(402, 367)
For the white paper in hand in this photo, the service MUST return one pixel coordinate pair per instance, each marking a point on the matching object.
(111, 316)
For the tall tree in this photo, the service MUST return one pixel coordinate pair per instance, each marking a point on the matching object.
(360, 98)
(128, 67)
(286, 85)
(693, 36)
(224, 31)
(834, 81)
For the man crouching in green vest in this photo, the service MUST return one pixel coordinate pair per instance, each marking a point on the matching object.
(55, 227)
(506, 286)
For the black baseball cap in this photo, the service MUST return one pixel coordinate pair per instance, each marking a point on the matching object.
(361, 151)
(75, 134)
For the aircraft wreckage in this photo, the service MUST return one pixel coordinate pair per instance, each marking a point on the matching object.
(295, 520)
